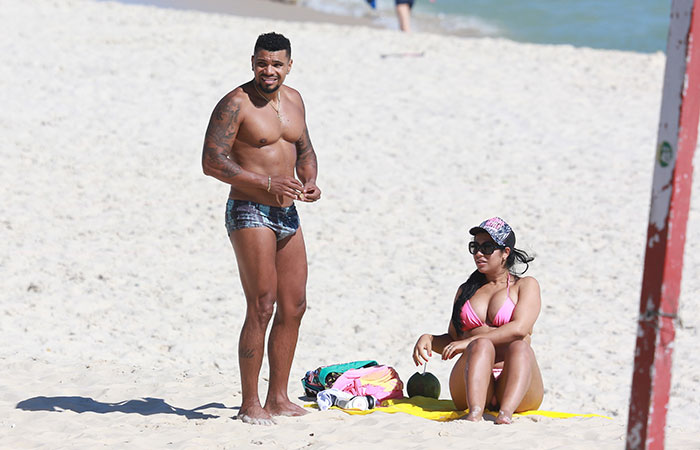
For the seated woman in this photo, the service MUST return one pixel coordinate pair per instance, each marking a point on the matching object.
(492, 320)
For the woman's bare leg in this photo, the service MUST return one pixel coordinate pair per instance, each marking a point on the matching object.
(480, 358)
(520, 387)
(458, 388)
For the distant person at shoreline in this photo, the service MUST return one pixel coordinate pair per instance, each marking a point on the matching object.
(256, 139)
(493, 316)
(403, 13)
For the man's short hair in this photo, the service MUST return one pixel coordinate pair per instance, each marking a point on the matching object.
(273, 42)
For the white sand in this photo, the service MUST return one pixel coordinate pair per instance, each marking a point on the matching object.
(120, 301)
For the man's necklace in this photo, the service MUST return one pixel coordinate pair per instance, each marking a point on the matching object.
(277, 109)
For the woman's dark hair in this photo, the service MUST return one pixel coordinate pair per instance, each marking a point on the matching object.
(478, 279)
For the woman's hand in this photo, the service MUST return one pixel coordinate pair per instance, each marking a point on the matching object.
(423, 349)
(455, 348)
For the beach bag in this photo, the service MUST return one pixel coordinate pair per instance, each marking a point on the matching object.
(323, 377)
(381, 382)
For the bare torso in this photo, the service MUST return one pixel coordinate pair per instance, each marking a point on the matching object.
(488, 300)
(265, 143)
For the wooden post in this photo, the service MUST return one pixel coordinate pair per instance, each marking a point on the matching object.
(670, 201)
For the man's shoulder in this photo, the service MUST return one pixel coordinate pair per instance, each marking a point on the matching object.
(234, 102)
(292, 93)
(291, 90)
(236, 97)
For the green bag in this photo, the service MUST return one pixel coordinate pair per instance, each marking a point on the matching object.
(323, 377)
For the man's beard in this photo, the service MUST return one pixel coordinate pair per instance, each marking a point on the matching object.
(267, 90)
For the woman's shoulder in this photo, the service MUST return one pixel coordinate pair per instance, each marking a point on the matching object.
(527, 282)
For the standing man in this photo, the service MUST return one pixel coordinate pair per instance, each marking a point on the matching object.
(256, 138)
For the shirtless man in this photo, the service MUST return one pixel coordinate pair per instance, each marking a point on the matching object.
(256, 138)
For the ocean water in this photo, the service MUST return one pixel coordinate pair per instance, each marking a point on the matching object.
(632, 25)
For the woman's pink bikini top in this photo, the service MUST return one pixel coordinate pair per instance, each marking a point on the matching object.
(504, 315)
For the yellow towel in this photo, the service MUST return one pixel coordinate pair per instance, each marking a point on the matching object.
(444, 410)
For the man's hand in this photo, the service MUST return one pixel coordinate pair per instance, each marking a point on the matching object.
(287, 186)
(310, 192)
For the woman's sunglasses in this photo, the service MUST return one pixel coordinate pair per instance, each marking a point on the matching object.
(486, 248)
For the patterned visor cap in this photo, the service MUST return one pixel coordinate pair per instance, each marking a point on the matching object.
(499, 231)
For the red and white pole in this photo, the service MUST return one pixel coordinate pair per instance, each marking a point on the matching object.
(670, 201)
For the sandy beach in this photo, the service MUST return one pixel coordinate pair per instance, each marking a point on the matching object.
(287, 10)
(121, 303)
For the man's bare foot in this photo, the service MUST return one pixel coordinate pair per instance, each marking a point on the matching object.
(285, 409)
(504, 419)
(475, 414)
(255, 415)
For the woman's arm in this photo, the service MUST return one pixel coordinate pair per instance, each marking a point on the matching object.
(524, 316)
(456, 346)
(428, 342)
(425, 345)
(520, 327)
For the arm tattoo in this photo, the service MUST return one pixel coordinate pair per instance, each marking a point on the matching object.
(220, 160)
(305, 151)
(219, 139)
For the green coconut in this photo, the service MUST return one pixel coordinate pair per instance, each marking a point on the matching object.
(425, 384)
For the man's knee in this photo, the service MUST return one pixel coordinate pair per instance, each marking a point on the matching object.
(262, 308)
(292, 308)
(299, 308)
